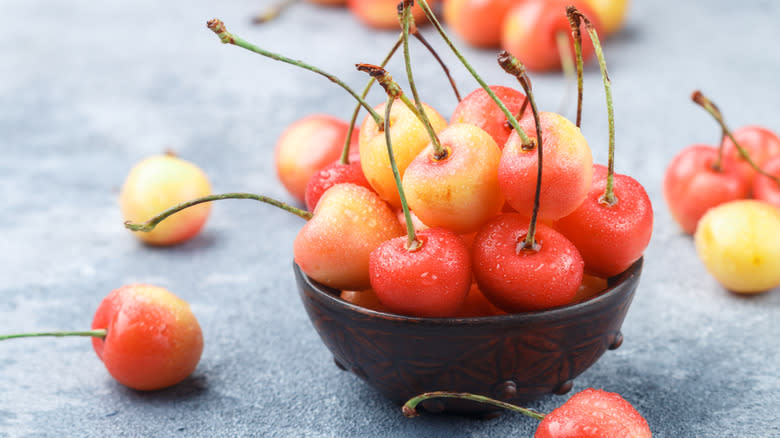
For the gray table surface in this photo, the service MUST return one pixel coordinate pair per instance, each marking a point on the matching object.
(88, 88)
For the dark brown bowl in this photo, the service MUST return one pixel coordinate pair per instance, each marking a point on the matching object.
(515, 358)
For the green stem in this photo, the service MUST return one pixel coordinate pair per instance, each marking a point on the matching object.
(405, 15)
(410, 406)
(513, 66)
(576, 34)
(347, 141)
(97, 333)
(218, 27)
(710, 107)
(412, 243)
(272, 12)
(512, 120)
(151, 223)
(567, 65)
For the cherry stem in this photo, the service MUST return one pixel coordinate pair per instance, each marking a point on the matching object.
(410, 406)
(514, 67)
(97, 333)
(218, 27)
(412, 243)
(405, 15)
(576, 34)
(512, 120)
(151, 223)
(710, 107)
(575, 17)
(272, 12)
(347, 141)
(567, 65)
(436, 56)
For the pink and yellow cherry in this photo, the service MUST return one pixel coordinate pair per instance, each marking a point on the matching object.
(739, 244)
(459, 191)
(611, 14)
(478, 22)
(590, 287)
(408, 136)
(382, 14)
(517, 279)
(610, 236)
(334, 246)
(766, 189)
(305, 147)
(147, 338)
(329, 176)
(530, 31)
(693, 184)
(567, 169)
(431, 280)
(363, 298)
(157, 183)
(759, 143)
(479, 109)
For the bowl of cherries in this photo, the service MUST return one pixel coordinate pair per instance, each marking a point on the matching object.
(487, 254)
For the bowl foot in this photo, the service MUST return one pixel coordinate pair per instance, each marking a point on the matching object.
(617, 341)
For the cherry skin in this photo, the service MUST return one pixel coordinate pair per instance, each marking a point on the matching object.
(160, 182)
(760, 144)
(590, 287)
(329, 176)
(478, 22)
(408, 137)
(612, 14)
(567, 168)
(349, 222)
(477, 304)
(429, 281)
(305, 147)
(153, 340)
(460, 192)
(764, 189)
(363, 298)
(610, 238)
(479, 109)
(594, 413)
(530, 29)
(692, 186)
(523, 280)
(383, 14)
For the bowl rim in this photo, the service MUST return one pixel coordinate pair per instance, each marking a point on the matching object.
(617, 285)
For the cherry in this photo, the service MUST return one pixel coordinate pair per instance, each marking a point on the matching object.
(760, 145)
(591, 413)
(530, 32)
(306, 147)
(478, 22)
(428, 274)
(479, 109)
(147, 338)
(381, 14)
(612, 227)
(157, 183)
(329, 176)
(590, 287)
(765, 188)
(364, 298)
(476, 304)
(612, 14)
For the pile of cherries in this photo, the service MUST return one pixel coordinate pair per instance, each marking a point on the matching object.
(729, 198)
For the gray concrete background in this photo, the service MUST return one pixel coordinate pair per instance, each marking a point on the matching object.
(88, 88)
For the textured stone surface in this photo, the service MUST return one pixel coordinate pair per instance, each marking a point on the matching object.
(89, 88)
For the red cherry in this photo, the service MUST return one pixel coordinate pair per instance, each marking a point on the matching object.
(594, 413)
(153, 340)
(610, 237)
(478, 108)
(764, 188)
(478, 22)
(521, 280)
(692, 186)
(477, 304)
(335, 173)
(530, 29)
(429, 281)
(760, 144)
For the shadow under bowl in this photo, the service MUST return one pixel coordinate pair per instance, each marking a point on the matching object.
(515, 358)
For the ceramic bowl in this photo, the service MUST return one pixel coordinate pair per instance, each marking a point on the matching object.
(515, 358)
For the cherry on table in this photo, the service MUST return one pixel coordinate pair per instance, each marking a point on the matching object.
(477, 22)
(766, 189)
(759, 143)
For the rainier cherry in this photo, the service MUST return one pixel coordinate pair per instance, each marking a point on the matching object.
(612, 227)
(478, 22)
(760, 145)
(765, 188)
(147, 338)
(591, 413)
(157, 183)
(381, 14)
(479, 109)
(611, 14)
